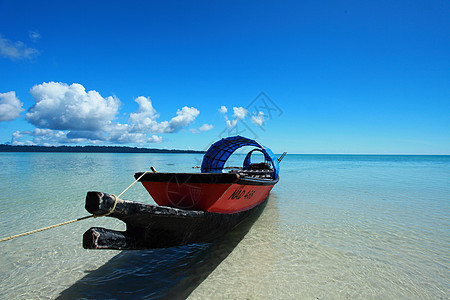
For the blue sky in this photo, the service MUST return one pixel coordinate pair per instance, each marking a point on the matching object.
(299, 76)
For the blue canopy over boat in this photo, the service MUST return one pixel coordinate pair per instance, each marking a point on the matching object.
(219, 152)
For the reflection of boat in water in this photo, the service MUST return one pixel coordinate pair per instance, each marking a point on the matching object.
(193, 207)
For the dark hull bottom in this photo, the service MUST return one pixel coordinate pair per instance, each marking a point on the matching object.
(150, 226)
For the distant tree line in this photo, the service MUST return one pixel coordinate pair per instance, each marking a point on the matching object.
(90, 149)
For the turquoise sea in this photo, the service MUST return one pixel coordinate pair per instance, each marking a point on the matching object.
(335, 227)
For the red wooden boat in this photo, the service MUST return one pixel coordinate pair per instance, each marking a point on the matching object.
(193, 207)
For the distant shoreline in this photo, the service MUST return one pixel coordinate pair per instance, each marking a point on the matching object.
(91, 149)
(124, 149)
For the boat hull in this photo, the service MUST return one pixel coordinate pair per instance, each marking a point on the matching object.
(150, 226)
(212, 192)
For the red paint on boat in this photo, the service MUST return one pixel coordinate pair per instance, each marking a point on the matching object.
(218, 198)
(192, 196)
(240, 197)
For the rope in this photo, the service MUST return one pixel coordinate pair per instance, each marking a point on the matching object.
(116, 199)
(45, 228)
(132, 184)
(111, 210)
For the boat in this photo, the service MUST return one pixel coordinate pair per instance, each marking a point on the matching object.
(191, 207)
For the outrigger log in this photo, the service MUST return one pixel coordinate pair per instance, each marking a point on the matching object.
(192, 207)
(151, 226)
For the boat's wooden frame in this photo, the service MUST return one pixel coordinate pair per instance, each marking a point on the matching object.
(151, 226)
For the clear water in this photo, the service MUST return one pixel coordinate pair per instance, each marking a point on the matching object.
(335, 227)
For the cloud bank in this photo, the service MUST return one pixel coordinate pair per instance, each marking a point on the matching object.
(66, 113)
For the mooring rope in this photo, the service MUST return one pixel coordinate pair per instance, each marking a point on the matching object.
(45, 228)
(111, 210)
(116, 199)
(123, 192)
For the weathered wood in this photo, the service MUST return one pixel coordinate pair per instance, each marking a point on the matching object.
(102, 238)
(98, 203)
(150, 226)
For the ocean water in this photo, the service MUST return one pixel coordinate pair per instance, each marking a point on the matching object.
(335, 227)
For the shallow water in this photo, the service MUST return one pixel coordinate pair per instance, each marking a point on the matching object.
(334, 227)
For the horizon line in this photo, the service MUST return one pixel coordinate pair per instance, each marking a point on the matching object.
(200, 151)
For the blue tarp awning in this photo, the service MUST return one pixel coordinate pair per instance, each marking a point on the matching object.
(219, 152)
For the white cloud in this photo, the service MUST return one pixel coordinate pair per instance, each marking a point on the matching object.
(125, 133)
(134, 138)
(16, 50)
(68, 114)
(63, 107)
(15, 139)
(185, 117)
(232, 123)
(258, 119)
(57, 137)
(10, 106)
(206, 127)
(239, 112)
(223, 109)
(155, 139)
(145, 118)
(203, 128)
(145, 110)
(42, 137)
